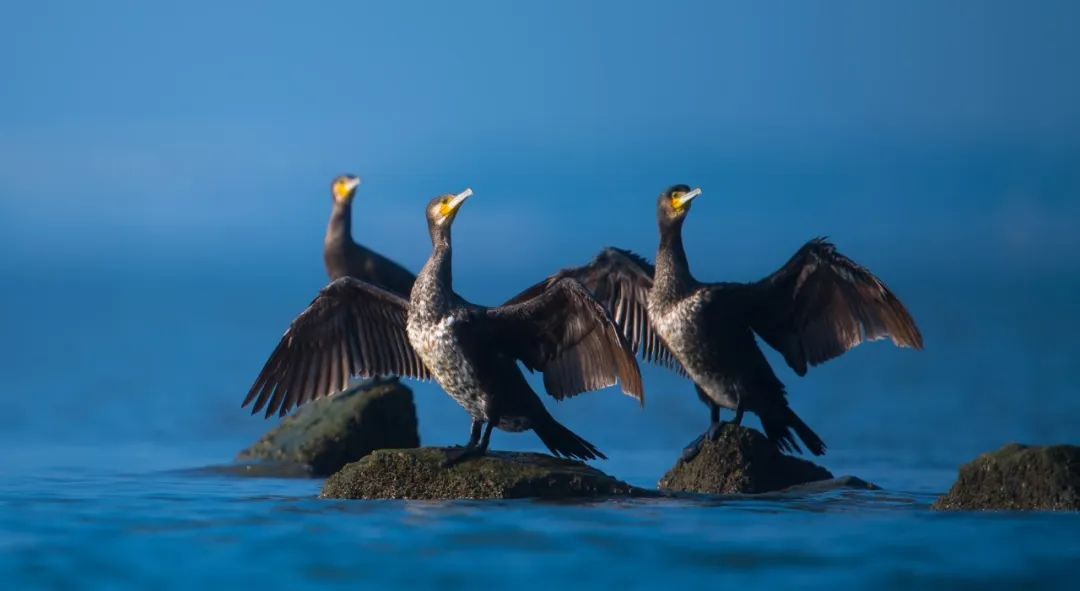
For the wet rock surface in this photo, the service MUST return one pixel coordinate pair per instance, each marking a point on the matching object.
(1018, 478)
(422, 474)
(742, 461)
(325, 435)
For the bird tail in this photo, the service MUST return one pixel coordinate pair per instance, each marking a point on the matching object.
(779, 426)
(562, 441)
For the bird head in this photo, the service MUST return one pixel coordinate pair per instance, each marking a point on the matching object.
(344, 187)
(674, 203)
(442, 209)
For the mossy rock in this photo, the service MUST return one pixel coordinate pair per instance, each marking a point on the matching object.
(1018, 478)
(740, 461)
(328, 433)
(421, 474)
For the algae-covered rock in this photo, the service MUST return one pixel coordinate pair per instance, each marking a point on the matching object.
(421, 474)
(741, 460)
(1018, 478)
(328, 433)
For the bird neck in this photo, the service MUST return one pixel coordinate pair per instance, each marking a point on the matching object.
(672, 267)
(339, 230)
(439, 267)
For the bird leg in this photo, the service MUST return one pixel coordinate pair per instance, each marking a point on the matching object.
(739, 410)
(486, 439)
(474, 435)
(715, 426)
(475, 448)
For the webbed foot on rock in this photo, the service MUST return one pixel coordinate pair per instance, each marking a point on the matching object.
(694, 448)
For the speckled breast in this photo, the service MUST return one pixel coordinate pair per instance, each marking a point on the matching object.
(437, 347)
(680, 327)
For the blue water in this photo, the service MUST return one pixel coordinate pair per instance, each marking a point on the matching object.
(136, 517)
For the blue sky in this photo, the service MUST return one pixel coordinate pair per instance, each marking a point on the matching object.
(131, 127)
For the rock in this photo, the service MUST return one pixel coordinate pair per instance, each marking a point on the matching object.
(1018, 478)
(740, 461)
(328, 433)
(420, 474)
(831, 485)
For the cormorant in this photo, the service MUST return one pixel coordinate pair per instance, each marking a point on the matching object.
(817, 306)
(346, 258)
(355, 328)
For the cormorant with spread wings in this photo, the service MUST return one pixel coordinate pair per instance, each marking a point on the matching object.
(355, 328)
(817, 306)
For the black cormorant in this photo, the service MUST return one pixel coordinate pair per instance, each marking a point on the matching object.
(355, 328)
(817, 306)
(346, 258)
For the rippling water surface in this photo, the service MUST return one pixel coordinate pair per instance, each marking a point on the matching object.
(143, 517)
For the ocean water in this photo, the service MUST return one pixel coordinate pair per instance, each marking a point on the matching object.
(141, 517)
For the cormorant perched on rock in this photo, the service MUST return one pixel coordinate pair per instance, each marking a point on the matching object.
(346, 258)
(816, 307)
(355, 328)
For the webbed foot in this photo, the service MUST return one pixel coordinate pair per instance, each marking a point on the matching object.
(691, 451)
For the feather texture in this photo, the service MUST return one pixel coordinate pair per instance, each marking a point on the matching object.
(620, 280)
(821, 304)
(565, 333)
(350, 329)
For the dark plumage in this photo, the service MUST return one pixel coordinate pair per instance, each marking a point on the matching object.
(345, 258)
(355, 328)
(817, 306)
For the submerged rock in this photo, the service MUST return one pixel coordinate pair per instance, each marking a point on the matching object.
(420, 474)
(740, 461)
(1018, 478)
(328, 433)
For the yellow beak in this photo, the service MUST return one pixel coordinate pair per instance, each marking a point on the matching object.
(452, 206)
(344, 189)
(679, 202)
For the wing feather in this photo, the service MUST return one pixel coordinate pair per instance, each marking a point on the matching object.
(351, 328)
(562, 331)
(821, 304)
(620, 280)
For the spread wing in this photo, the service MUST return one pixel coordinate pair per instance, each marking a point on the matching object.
(620, 280)
(351, 328)
(565, 333)
(821, 304)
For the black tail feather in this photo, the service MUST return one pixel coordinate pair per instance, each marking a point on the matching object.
(778, 428)
(562, 441)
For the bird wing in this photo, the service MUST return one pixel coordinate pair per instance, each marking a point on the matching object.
(565, 333)
(351, 328)
(620, 280)
(821, 304)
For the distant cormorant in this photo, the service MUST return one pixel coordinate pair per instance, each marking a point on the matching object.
(346, 258)
(817, 306)
(355, 328)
